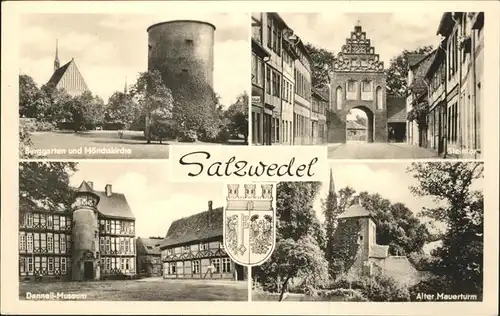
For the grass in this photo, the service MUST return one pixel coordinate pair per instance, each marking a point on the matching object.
(71, 145)
(151, 289)
(291, 297)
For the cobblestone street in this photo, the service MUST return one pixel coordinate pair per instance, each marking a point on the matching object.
(378, 151)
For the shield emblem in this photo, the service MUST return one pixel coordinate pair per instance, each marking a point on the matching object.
(250, 222)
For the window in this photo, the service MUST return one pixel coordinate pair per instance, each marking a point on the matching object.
(204, 246)
(51, 265)
(30, 265)
(113, 243)
(68, 243)
(367, 87)
(127, 265)
(216, 264)
(43, 242)
(22, 265)
(118, 228)
(22, 241)
(63, 265)
(132, 245)
(226, 265)
(108, 264)
(102, 226)
(37, 265)
(43, 220)
(62, 222)
(29, 220)
(131, 265)
(56, 243)
(36, 220)
(102, 246)
(196, 266)
(62, 241)
(107, 226)
(171, 268)
(44, 264)
(56, 222)
(131, 227)
(113, 227)
(188, 41)
(50, 242)
(269, 32)
(50, 221)
(380, 100)
(350, 86)
(186, 248)
(126, 245)
(36, 244)
(268, 80)
(122, 265)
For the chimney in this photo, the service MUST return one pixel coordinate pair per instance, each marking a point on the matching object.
(210, 207)
(108, 190)
(91, 184)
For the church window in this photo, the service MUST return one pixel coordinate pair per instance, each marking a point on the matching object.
(216, 264)
(367, 87)
(22, 241)
(196, 266)
(50, 242)
(226, 265)
(51, 265)
(63, 265)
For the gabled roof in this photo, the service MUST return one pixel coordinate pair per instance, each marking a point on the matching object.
(198, 227)
(355, 210)
(150, 246)
(59, 73)
(320, 94)
(420, 70)
(414, 59)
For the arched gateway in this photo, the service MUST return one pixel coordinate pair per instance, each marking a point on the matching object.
(358, 82)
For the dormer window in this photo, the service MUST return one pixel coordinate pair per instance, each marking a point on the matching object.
(189, 41)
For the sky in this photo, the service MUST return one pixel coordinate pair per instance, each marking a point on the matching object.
(389, 179)
(154, 201)
(109, 49)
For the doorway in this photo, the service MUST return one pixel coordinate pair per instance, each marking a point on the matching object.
(240, 272)
(88, 270)
(359, 125)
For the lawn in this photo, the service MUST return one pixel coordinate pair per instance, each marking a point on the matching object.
(290, 297)
(89, 145)
(151, 289)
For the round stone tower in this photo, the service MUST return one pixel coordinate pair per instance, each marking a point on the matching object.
(182, 47)
(85, 256)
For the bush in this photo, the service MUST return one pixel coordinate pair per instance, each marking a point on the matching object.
(44, 126)
(188, 136)
(349, 295)
(383, 288)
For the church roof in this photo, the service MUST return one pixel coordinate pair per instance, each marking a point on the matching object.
(150, 246)
(355, 210)
(59, 73)
(113, 206)
(197, 227)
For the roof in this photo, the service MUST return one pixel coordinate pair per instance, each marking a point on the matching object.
(114, 206)
(201, 226)
(320, 94)
(355, 210)
(180, 21)
(414, 59)
(150, 245)
(396, 109)
(58, 74)
(354, 125)
(420, 70)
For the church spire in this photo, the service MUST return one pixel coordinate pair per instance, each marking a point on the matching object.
(331, 189)
(56, 60)
(125, 89)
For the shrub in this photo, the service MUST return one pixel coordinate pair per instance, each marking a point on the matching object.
(44, 126)
(383, 288)
(349, 295)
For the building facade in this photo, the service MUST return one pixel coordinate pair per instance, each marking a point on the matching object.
(303, 96)
(288, 88)
(193, 248)
(318, 116)
(91, 241)
(149, 262)
(464, 45)
(261, 127)
(67, 77)
(358, 82)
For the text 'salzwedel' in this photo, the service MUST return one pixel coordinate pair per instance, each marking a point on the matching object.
(243, 168)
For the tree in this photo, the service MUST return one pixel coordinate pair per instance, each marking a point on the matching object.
(361, 120)
(397, 73)
(57, 104)
(45, 185)
(29, 96)
(155, 101)
(322, 65)
(461, 209)
(86, 111)
(121, 110)
(299, 239)
(237, 115)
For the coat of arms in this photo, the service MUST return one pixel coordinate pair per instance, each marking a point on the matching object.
(250, 223)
